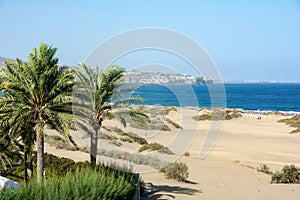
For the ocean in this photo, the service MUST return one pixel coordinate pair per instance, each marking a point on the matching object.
(257, 96)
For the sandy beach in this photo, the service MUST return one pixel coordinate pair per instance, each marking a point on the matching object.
(229, 170)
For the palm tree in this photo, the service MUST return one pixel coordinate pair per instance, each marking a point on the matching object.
(10, 148)
(16, 140)
(39, 92)
(102, 95)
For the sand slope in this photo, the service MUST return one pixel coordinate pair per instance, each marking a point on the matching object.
(229, 171)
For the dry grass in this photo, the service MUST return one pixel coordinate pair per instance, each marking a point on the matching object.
(292, 122)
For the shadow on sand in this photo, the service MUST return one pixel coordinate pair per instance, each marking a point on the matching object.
(166, 191)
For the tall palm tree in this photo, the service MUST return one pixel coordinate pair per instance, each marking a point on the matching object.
(102, 95)
(41, 92)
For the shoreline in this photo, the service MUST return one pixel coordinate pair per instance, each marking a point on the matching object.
(245, 111)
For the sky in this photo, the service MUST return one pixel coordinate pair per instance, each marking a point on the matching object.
(247, 40)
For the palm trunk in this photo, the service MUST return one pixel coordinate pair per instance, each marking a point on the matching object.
(40, 152)
(94, 146)
(25, 163)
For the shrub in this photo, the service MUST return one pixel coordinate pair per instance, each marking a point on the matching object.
(234, 115)
(218, 114)
(170, 108)
(59, 142)
(56, 166)
(264, 168)
(107, 136)
(134, 137)
(165, 150)
(288, 174)
(153, 122)
(187, 154)
(151, 147)
(106, 128)
(137, 138)
(164, 127)
(173, 123)
(178, 171)
(101, 183)
(135, 158)
(126, 139)
(292, 122)
(202, 117)
(155, 147)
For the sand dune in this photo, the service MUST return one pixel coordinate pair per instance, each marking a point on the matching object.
(229, 171)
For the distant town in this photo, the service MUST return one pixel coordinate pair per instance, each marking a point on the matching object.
(157, 78)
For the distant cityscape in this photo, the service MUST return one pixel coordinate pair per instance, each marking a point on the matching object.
(157, 78)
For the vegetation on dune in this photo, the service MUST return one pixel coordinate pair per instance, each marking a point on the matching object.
(155, 147)
(292, 122)
(156, 120)
(173, 123)
(165, 150)
(171, 108)
(126, 139)
(134, 158)
(187, 154)
(153, 123)
(61, 143)
(219, 114)
(134, 137)
(178, 171)
(276, 113)
(288, 174)
(264, 168)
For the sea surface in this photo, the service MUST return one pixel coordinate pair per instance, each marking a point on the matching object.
(257, 97)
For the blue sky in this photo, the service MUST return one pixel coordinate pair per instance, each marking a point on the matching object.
(247, 40)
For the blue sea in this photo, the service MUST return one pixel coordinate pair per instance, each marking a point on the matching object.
(258, 96)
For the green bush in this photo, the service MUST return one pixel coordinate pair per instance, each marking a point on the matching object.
(202, 117)
(155, 147)
(134, 137)
(218, 114)
(288, 174)
(102, 183)
(56, 166)
(107, 136)
(126, 139)
(178, 171)
(165, 150)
